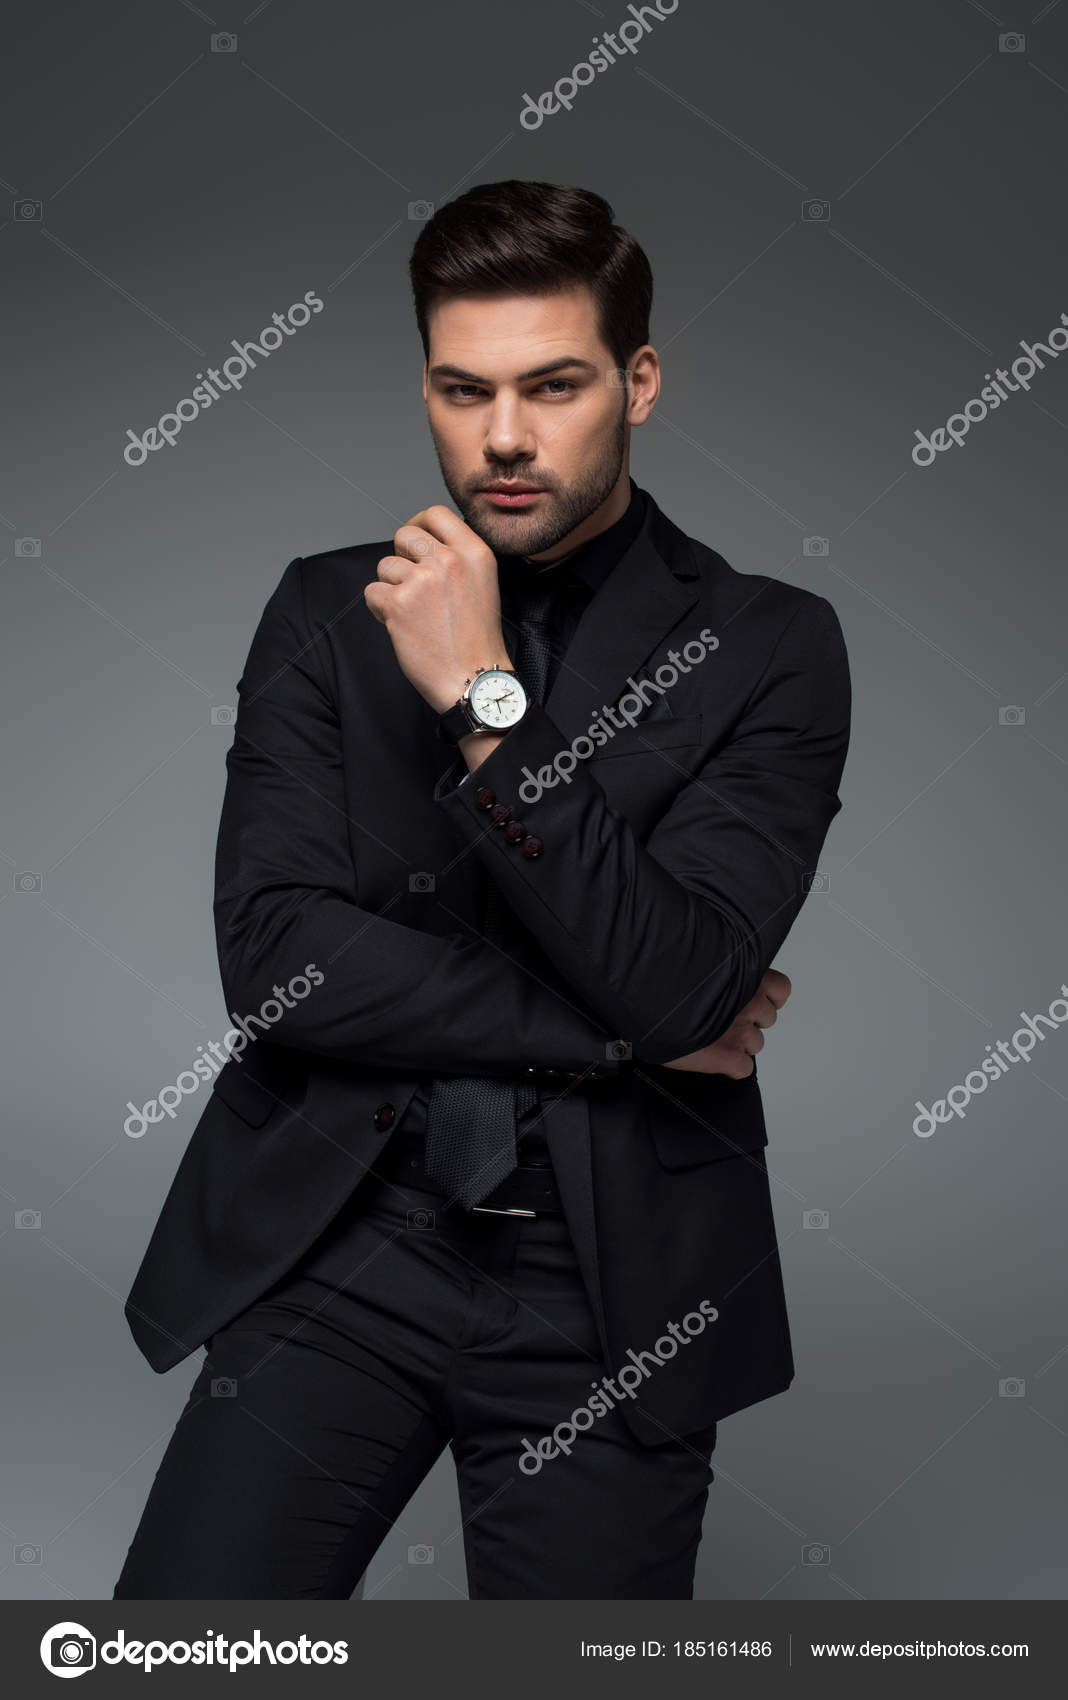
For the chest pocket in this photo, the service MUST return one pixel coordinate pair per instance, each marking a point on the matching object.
(647, 737)
(250, 1099)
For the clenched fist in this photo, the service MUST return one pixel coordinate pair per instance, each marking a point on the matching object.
(732, 1054)
(439, 600)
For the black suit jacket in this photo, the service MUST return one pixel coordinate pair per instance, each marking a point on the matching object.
(672, 866)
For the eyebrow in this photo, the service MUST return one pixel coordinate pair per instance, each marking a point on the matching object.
(535, 371)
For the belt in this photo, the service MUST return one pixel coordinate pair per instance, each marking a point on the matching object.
(527, 1191)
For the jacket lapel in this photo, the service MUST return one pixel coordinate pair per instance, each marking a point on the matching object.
(637, 605)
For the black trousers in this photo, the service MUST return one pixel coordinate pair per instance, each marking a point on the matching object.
(409, 1327)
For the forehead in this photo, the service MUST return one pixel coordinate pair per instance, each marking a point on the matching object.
(499, 335)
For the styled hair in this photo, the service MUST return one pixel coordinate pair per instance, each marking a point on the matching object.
(534, 239)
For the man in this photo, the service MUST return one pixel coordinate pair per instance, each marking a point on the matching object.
(520, 809)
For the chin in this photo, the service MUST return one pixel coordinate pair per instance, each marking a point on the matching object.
(509, 538)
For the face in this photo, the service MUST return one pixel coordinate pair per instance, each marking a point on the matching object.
(519, 397)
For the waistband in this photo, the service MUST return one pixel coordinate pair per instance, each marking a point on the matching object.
(530, 1188)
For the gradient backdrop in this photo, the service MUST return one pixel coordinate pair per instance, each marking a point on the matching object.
(159, 199)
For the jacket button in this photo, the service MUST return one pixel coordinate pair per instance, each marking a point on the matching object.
(383, 1116)
(532, 846)
(500, 813)
(514, 831)
(484, 797)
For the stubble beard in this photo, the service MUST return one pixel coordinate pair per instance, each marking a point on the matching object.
(560, 511)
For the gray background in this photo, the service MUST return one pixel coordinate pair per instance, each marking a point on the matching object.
(186, 196)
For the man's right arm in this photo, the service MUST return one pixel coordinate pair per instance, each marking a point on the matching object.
(286, 897)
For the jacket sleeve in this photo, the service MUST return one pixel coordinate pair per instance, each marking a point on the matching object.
(286, 898)
(668, 939)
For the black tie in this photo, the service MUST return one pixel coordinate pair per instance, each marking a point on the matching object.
(471, 1122)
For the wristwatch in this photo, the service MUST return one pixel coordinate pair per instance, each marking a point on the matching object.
(493, 701)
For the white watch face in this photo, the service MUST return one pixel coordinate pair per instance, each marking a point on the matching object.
(497, 698)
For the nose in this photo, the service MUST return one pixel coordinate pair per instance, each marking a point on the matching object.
(508, 436)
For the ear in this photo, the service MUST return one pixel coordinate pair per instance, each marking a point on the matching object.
(425, 385)
(644, 384)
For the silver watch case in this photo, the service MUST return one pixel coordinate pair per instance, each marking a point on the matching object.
(480, 675)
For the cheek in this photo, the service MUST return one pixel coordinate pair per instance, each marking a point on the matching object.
(578, 438)
(448, 437)
(454, 428)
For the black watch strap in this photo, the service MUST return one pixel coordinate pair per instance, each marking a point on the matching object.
(454, 724)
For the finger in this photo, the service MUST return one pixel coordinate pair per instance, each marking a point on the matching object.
(414, 543)
(440, 522)
(377, 602)
(393, 569)
(776, 986)
(762, 1011)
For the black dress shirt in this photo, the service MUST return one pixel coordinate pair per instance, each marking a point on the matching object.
(576, 579)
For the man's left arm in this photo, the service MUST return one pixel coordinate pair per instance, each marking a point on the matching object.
(668, 939)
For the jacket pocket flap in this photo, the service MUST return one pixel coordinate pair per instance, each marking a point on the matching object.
(647, 736)
(682, 1143)
(700, 1118)
(241, 1092)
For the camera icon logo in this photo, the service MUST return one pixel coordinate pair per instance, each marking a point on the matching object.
(816, 212)
(27, 548)
(68, 1649)
(223, 715)
(616, 378)
(818, 546)
(28, 882)
(618, 1050)
(223, 1387)
(816, 881)
(420, 211)
(422, 1219)
(1011, 1387)
(224, 42)
(1012, 42)
(27, 1218)
(815, 1219)
(422, 882)
(420, 1555)
(29, 1555)
(1012, 715)
(815, 1553)
(27, 212)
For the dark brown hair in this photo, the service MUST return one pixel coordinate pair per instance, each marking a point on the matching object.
(534, 239)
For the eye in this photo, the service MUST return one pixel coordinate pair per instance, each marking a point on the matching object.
(564, 385)
(462, 392)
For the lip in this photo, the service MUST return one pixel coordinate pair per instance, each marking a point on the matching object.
(512, 495)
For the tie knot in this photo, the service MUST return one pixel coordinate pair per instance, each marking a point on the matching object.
(532, 590)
